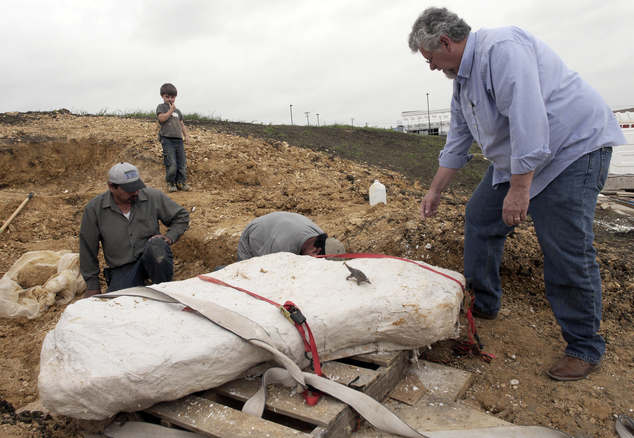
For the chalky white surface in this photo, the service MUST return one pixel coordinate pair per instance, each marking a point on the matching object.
(126, 354)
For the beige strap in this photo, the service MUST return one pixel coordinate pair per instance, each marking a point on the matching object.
(625, 426)
(370, 409)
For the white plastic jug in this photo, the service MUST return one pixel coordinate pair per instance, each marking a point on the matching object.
(377, 193)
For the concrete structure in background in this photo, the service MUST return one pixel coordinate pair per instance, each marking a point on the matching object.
(621, 171)
(425, 122)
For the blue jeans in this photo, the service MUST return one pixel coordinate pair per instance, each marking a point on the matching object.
(563, 215)
(156, 263)
(174, 160)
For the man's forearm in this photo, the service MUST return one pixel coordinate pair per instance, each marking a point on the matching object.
(522, 182)
(90, 275)
(178, 225)
(88, 256)
(441, 180)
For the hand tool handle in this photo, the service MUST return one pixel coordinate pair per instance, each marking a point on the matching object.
(15, 213)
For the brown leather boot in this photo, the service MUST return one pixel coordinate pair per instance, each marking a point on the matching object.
(480, 314)
(571, 368)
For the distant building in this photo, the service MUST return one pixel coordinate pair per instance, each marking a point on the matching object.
(625, 117)
(621, 170)
(426, 123)
(620, 173)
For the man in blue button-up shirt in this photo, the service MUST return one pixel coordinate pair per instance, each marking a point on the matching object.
(549, 137)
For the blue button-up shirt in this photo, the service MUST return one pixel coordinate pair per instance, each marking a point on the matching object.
(525, 108)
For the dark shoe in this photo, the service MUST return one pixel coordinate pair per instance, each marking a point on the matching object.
(571, 368)
(182, 186)
(480, 314)
(171, 187)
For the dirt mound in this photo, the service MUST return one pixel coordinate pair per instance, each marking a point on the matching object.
(65, 158)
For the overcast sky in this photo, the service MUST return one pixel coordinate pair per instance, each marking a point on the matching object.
(250, 60)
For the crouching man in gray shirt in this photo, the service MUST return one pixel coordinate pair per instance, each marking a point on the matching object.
(283, 231)
(125, 219)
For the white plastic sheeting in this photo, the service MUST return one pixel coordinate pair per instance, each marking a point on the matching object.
(125, 354)
(59, 289)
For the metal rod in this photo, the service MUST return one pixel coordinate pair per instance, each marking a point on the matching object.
(428, 118)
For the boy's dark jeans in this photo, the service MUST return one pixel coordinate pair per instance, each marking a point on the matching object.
(156, 264)
(174, 160)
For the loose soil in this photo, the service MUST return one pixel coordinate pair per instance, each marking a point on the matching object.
(242, 171)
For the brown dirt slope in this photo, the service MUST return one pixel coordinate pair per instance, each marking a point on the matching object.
(241, 171)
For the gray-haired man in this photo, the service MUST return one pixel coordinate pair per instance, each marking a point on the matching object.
(549, 137)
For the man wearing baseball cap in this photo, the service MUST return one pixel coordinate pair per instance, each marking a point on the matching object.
(125, 220)
(283, 231)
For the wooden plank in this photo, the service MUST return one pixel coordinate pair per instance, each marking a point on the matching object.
(343, 425)
(347, 352)
(281, 400)
(287, 402)
(444, 381)
(382, 359)
(386, 379)
(389, 377)
(409, 390)
(435, 414)
(349, 375)
(333, 419)
(215, 420)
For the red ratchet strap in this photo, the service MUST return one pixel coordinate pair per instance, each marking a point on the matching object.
(295, 316)
(469, 347)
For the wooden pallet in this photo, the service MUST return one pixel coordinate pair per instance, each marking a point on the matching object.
(216, 413)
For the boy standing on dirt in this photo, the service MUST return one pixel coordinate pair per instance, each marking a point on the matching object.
(172, 134)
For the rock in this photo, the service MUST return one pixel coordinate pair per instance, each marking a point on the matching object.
(35, 275)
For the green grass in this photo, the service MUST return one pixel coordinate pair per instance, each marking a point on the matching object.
(270, 130)
(143, 114)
